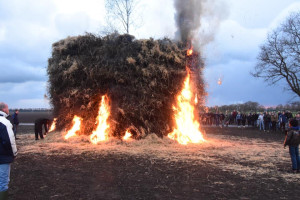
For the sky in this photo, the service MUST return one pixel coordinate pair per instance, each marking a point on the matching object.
(232, 34)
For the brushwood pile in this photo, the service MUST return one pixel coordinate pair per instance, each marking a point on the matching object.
(140, 77)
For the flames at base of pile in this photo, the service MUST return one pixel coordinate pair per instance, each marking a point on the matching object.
(187, 128)
(52, 128)
(101, 133)
(127, 135)
(76, 127)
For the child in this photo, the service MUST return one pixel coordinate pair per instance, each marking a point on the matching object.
(293, 139)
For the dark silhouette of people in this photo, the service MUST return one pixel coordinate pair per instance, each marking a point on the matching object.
(38, 127)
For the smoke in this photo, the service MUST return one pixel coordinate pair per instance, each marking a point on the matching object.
(197, 21)
(187, 18)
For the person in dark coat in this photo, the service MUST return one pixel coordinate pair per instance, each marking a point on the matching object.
(38, 127)
(267, 121)
(244, 118)
(292, 139)
(15, 122)
(8, 149)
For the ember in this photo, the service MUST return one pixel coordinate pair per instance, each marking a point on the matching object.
(220, 81)
(76, 127)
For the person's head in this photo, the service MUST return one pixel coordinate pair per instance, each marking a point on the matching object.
(17, 111)
(4, 107)
(293, 123)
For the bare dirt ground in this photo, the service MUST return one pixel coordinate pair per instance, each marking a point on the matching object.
(233, 164)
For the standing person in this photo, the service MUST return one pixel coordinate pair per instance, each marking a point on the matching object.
(234, 114)
(244, 118)
(15, 122)
(261, 122)
(298, 118)
(8, 149)
(227, 118)
(38, 127)
(238, 119)
(267, 120)
(283, 121)
(273, 121)
(292, 139)
(255, 119)
(217, 118)
(222, 117)
(249, 119)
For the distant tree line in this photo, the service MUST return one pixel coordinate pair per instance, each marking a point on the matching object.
(31, 110)
(255, 107)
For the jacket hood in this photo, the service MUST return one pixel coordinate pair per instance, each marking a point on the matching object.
(3, 114)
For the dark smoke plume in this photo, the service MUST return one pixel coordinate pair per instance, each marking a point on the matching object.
(199, 20)
(187, 17)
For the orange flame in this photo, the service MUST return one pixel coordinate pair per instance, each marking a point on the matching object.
(187, 128)
(127, 135)
(189, 52)
(52, 128)
(101, 134)
(196, 99)
(75, 128)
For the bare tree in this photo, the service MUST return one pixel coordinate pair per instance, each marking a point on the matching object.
(279, 57)
(120, 12)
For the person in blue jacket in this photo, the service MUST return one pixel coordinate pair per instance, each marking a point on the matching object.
(283, 120)
(8, 149)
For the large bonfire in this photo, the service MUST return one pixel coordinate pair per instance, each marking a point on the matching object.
(117, 85)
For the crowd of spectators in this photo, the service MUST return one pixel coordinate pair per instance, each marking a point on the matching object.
(265, 121)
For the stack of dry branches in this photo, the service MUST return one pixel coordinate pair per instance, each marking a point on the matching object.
(140, 77)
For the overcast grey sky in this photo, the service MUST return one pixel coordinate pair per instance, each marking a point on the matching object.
(29, 27)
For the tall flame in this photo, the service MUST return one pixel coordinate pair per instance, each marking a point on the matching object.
(52, 128)
(187, 128)
(101, 134)
(76, 127)
(127, 135)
